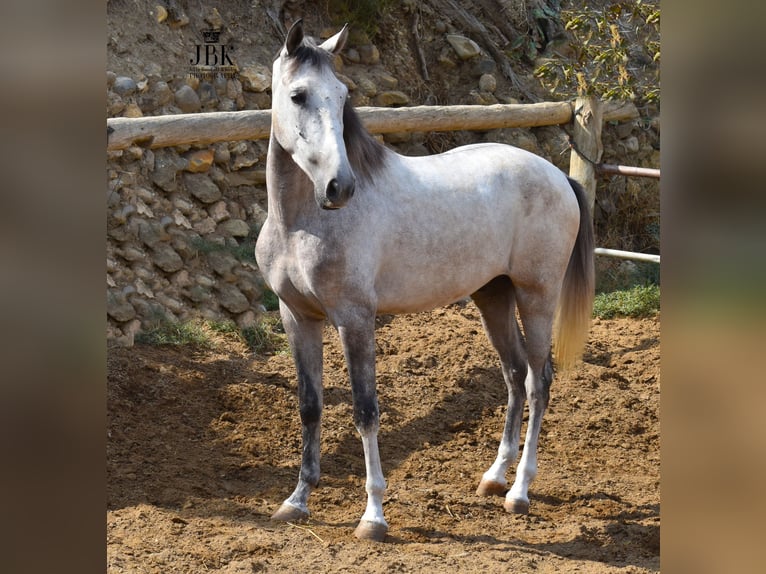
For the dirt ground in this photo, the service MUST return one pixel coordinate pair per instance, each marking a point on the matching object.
(203, 445)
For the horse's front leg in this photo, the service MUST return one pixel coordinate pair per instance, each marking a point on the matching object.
(358, 338)
(305, 337)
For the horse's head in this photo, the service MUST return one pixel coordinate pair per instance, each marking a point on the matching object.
(307, 114)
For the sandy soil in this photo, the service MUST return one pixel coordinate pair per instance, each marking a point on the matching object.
(203, 445)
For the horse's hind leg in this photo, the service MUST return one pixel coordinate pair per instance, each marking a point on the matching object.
(305, 337)
(496, 302)
(536, 309)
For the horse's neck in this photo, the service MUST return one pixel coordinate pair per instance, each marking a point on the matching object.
(289, 188)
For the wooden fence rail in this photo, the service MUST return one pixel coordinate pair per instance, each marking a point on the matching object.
(587, 114)
(203, 128)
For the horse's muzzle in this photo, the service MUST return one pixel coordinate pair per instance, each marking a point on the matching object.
(338, 193)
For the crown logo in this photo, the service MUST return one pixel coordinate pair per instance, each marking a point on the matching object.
(210, 36)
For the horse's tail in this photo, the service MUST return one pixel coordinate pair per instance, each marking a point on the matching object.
(576, 302)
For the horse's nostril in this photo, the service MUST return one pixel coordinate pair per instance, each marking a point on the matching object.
(333, 190)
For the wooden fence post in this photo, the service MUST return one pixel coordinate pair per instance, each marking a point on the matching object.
(587, 150)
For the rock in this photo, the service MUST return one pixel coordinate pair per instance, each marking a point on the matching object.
(232, 299)
(234, 228)
(124, 86)
(367, 87)
(199, 161)
(207, 95)
(118, 307)
(445, 58)
(386, 81)
(222, 263)
(352, 55)
(464, 47)
(221, 154)
(204, 226)
(114, 104)
(219, 212)
(214, 19)
(392, 99)
(187, 99)
(369, 54)
(348, 82)
(167, 164)
(233, 88)
(166, 258)
(255, 78)
(151, 233)
(198, 294)
(484, 66)
(245, 156)
(487, 83)
(132, 111)
(160, 13)
(201, 187)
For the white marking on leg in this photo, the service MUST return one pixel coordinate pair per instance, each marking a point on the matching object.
(506, 454)
(376, 483)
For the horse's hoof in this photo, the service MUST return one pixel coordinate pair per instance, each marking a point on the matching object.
(290, 513)
(491, 488)
(516, 506)
(374, 531)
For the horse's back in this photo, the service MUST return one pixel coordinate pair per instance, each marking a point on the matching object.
(453, 221)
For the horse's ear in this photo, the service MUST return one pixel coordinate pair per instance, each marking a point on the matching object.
(335, 44)
(294, 37)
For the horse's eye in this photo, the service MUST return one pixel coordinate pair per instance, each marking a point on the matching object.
(298, 98)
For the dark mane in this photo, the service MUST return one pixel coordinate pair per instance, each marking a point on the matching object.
(366, 154)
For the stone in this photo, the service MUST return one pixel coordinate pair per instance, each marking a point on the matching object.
(124, 86)
(166, 258)
(132, 111)
(487, 83)
(484, 66)
(219, 212)
(201, 187)
(255, 78)
(181, 279)
(187, 99)
(151, 233)
(221, 154)
(222, 263)
(367, 86)
(352, 55)
(369, 54)
(198, 293)
(387, 81)
(233, 88)
(464, 47)
(110, 78)
(118, 307)
(200, 160)
(234, 228)
(207, 95)
(204, 226)
(167, 164)
(445, 58)
(232, 299)
(392, 98)
(245, 156)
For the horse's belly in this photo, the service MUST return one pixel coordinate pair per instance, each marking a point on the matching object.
(406, 289)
